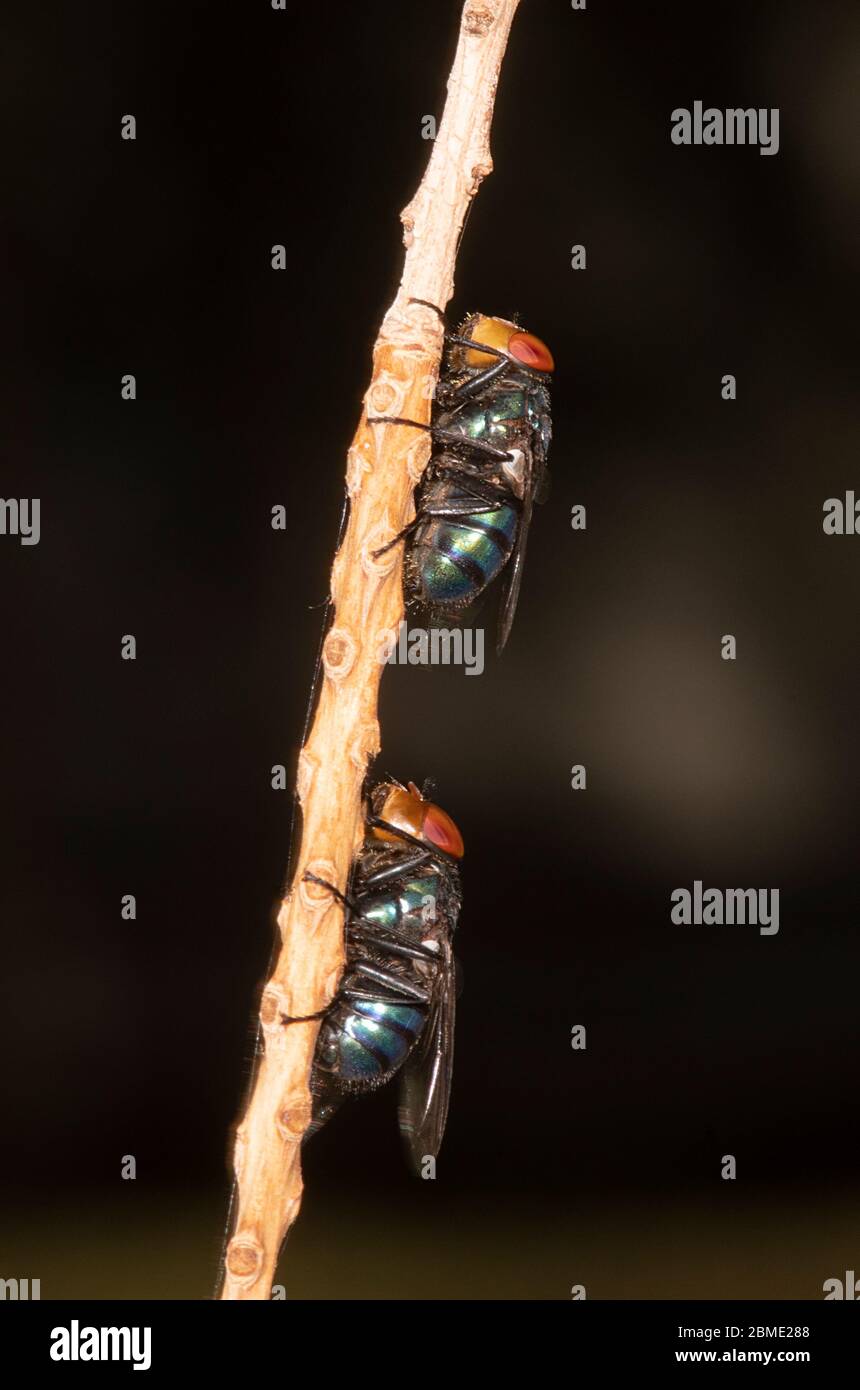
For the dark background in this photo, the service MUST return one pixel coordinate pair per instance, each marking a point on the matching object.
(704, 518)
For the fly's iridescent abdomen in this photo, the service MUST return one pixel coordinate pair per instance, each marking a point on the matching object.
(370, 1040)
(394, 1010)
(451, 563)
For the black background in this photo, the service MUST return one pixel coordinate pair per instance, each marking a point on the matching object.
(704, 517)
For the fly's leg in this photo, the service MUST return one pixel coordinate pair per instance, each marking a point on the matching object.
(474, 473)
(308, 877)
(304, 1018)
(466, 507)
(401, 536)
(347, 903)
(428, 305)
(394, 948)
(479, 446)
(449, 396)
(443, 436)
(321, 1013)
(460, 341)
(411, 993)
(447, 511)
(399, 870)
(446, 436)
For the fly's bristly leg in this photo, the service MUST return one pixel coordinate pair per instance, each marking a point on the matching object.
(391, 981)
(393, 946)
(352, 907)
(428, 305)
(452, 510)
(401, 536)
(450, 396)
(395, 871)
(459, 341)
(304, 1018)
(474, 473)
(446, 436)
(464, 441)
(397, 420)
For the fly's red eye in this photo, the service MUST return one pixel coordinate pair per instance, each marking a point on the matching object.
(441, 831)
(526, 348)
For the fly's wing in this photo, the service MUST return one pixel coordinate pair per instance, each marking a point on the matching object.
(324, 1106)
(515, 573)
(426, 1077)
(543, 487)
(536, 490)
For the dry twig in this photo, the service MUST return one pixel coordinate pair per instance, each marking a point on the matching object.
(383, 465)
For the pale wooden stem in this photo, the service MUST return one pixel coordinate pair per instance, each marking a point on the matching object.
(383, 465)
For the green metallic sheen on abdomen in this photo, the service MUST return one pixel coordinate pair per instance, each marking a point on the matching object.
(440, 543)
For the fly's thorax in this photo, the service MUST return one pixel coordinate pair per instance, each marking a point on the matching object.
(493, 417)
(413, 902)
(514, 418)
(407, 907)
